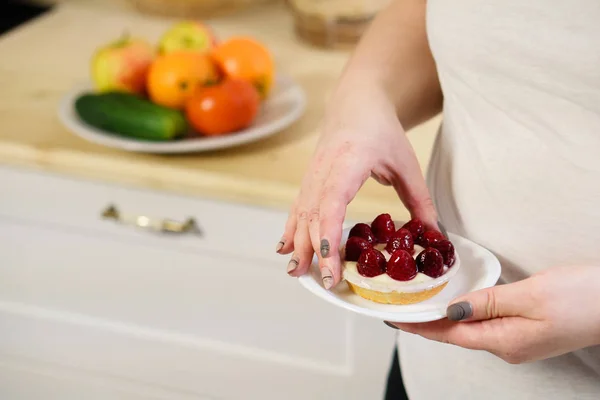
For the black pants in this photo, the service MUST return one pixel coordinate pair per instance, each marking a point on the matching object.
(395, 387)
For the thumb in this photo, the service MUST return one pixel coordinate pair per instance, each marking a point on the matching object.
(410, 185)
(509, 300)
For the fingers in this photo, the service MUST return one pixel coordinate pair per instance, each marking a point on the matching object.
(303, 251)
(316, 187)
(440, 330)
(511, 300)
(497, 320)
(333, 211)
(343, 183)
(479, 335)
(327, 274)
(307, 212)
(316, 226)
(411, 186)
(286, 243)
(513, 339)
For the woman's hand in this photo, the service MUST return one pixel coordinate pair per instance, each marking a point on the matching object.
(361, 138)
(551, 313)
(391, 77)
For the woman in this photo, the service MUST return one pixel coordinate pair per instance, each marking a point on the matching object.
(516, 168)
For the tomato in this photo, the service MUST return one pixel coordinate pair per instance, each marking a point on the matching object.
(247, 59)
(229, 106)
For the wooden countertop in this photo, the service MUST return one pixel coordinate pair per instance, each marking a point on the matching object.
(43, 59)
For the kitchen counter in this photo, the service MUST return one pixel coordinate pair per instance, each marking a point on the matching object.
(43, 59)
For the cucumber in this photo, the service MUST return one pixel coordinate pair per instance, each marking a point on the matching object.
(129, 115)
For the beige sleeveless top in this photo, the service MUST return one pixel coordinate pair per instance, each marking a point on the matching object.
(516, 168)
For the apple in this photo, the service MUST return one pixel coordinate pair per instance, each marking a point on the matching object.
(123, 65)
(187, 35)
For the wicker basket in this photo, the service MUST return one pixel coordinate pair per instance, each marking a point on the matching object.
(193, 8)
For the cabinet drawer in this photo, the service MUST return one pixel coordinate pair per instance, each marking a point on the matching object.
(234, 229)
(180, 311)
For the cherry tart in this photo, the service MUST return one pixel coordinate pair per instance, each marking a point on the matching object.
(391, 263)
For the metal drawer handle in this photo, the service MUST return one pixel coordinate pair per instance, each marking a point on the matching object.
(156, 225)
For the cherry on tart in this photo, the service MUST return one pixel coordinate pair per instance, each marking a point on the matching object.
(430, 262)
(401, 266)
(371, 263)
(363, 231)
(446, 248)
(430, 238)
(355, 246)
(383, 228)
(401, 239)
(415, 227)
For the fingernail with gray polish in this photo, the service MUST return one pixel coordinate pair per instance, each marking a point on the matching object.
(324, 248)
(292, 265)
(327, 279)
(279, 246)
(459, 311)
(390, 325)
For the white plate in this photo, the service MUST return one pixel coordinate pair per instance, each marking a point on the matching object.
(479, 269)
(283, 107)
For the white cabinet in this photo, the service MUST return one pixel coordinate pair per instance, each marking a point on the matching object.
(93, 309)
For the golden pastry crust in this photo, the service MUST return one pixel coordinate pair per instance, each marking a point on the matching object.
(397, 298)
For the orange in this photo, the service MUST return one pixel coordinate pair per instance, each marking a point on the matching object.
(173, 77)
(246, 58)
(227, 107)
